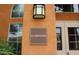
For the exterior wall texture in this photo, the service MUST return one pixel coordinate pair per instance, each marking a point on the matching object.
(5, 20)
(28, 22)
(67, 16)
(48, 23)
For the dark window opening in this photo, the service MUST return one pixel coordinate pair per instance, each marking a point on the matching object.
(64, 8)
(78, 6)
(73, 34)
(59, 38)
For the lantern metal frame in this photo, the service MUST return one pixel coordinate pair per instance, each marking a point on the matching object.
(39, 16)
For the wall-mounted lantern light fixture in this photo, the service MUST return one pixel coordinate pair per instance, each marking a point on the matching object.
(39, 11)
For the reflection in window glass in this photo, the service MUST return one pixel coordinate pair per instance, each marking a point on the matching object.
(18, 10)
(64, 8)
(15, 36)
(59, 8)
(77, 31)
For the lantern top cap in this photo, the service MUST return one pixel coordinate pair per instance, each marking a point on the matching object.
(39, 4)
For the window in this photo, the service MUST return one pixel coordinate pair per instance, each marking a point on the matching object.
(59, 38)
(59, 8)
(78, 7)
(64, 8)
(73, 34)
(15, 36)
(39, 11)
(17, 10)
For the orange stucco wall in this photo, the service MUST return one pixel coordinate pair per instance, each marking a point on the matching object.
(48, 23)
(5, 20)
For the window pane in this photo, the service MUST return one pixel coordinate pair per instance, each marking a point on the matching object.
(58, 30)
(78, 46)
(78, 7)
(71, 30)
(64, 8)
(59, 46)
(59, 39)
(72, 46)
(13, 39)
(68, 8)
(77, 38)
(18, 10)
(14, 44)
(72, 38)
(15, 36)
(77, 31)
(15, 30)
(58, 8)
(17, 47)
(19, 38)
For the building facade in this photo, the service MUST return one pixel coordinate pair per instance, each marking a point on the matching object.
(41, 29)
